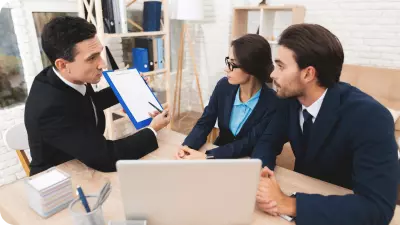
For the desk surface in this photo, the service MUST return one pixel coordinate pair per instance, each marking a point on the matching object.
(15, 209)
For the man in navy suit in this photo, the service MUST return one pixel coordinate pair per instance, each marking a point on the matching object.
(338, 134)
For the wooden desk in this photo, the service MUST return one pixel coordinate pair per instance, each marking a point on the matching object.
(14, 205)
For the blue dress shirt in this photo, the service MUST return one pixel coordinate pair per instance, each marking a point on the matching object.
(241, 111)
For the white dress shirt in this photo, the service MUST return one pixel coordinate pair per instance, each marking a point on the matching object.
(81, 88)
(313, 109)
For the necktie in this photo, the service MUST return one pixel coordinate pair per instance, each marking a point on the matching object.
(89, 92)
(307, 125)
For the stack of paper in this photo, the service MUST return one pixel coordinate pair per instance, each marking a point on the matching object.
(49, 192)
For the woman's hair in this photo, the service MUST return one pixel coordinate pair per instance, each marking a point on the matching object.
(253, 55)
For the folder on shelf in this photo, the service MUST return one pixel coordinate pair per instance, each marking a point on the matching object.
(134, 95)
(147, 43)
(160, 53)
(140, 59)
(108, 16)
(151, 15)
(155, 53)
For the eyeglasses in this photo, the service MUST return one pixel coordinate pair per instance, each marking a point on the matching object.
(230, 65)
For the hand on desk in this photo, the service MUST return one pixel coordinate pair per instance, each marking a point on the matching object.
(187, 153)
(161, 120)
(270, 197)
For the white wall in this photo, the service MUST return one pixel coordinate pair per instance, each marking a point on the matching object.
(368, 29)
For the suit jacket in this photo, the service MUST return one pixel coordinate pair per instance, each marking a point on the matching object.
(352, 145)
(61, 126)
(220, 106)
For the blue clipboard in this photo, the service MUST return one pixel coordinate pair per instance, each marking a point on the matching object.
(137, 122)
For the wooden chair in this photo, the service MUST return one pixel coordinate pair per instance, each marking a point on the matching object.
(16, 138)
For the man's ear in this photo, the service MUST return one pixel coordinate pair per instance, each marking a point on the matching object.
(309, 74)
(61, 65)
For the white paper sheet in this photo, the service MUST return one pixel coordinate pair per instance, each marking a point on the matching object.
(134, 92)
(46, 180)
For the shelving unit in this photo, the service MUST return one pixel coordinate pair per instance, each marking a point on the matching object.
(266, 19)
(97, 19)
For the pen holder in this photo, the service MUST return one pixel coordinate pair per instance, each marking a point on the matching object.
(81, 217)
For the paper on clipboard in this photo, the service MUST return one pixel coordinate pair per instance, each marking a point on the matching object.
(133, 94)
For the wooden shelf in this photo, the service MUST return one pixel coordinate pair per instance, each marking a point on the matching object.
(155, 72)
(135, 34)
(267, 7)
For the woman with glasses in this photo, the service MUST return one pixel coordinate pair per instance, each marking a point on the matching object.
(241, 101)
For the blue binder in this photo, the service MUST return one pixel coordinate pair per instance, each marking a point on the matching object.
(160, 53)
(151, 15)
(140, 58)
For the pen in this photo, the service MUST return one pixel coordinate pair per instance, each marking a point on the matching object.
(83, 199)
(155, 107)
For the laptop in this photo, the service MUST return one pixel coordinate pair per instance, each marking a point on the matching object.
(196, 192)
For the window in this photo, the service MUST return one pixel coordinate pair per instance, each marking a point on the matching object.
(12, 82)
(40, 19)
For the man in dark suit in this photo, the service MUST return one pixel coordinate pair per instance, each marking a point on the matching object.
(338, 134)
(64, 116)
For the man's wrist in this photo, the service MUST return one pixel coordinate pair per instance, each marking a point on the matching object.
(152, 129)
(288, 206)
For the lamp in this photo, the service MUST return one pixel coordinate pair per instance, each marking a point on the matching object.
(186, 10)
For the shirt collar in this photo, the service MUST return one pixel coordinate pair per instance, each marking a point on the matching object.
(314, 108)
(251, 103)
(81, 88)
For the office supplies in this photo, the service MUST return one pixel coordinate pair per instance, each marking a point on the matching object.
(195, 192)
(108, 16)
(81, 217)
(82, 197)
(49, 192)
(147, 43)
(140, 59)
(123, 17)
(160, 53)
(151, 15)
(103, 195)
(159, 110)
(133, 94)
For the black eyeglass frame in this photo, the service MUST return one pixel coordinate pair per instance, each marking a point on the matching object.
(230, 65)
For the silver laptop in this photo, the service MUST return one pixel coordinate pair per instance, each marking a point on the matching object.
(201, 192)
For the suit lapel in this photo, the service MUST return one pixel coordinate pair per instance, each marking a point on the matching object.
(324, 123)
(257, 112)
(295, 134)
(229, 100)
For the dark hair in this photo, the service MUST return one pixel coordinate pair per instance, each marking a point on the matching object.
(61, 34)
(253, 54)
(314, 45)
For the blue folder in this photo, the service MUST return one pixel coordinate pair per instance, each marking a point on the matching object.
(140, 58)
(160, 53)
(151, 15)
(138, 124)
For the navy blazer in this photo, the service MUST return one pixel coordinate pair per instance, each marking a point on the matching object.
(352, 145)
(220, 106)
